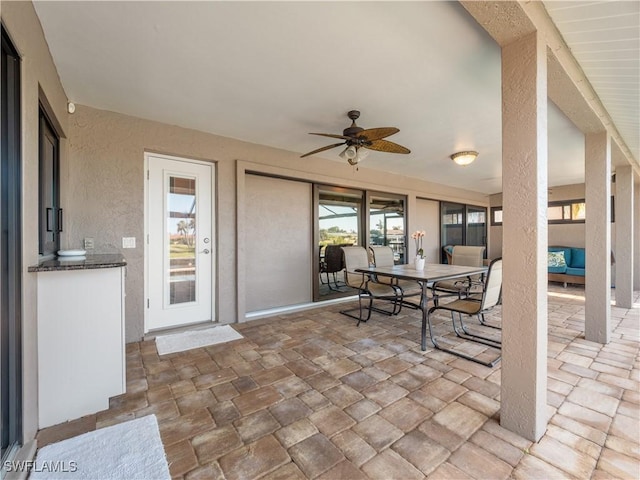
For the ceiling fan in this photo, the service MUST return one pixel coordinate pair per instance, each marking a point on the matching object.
(356, 138)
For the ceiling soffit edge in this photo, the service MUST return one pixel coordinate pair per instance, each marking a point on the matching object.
(568, 86)
(566, 64)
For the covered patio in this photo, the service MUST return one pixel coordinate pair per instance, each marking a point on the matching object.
(310, 395)
(115, 106)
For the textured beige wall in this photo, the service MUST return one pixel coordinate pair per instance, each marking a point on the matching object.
(428, 219)
(105, 198)
(636, 234)
(39, 82)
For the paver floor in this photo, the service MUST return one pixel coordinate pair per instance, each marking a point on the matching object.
(310, 395)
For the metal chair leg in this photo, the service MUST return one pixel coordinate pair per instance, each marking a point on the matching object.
(484, 323)
(370, 308)
(426, 321)
(471, 336)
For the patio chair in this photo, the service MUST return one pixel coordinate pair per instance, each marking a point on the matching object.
(382, 256)
(368, 288)
(490, 297)
(332, 264)
(470, 256)
(448, 251)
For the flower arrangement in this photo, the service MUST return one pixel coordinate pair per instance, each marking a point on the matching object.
(417, 236)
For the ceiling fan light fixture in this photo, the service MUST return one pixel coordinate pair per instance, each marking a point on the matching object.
(353, 154)
(349, 153)
(464, 158)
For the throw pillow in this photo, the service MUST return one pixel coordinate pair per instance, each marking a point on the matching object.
(556, 259)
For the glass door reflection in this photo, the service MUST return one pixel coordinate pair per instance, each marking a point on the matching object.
(181, 223)
(339, 220)
(387, 224)
(476, 226)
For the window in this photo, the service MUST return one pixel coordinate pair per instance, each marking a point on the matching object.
(496, 216)
(568, 211)
(565, 211)
(49, 179)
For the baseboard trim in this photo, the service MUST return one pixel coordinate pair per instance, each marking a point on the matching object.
(295, 308)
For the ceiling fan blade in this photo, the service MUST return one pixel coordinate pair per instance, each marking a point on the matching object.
(372, 134)
(328, 147)
(386, 146)
(331, 135)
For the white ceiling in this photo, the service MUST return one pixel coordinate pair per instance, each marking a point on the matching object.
(604, 37)
(269, 72)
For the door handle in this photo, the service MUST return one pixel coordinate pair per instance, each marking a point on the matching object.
(49, 211)
(205, 251)
(60, 218)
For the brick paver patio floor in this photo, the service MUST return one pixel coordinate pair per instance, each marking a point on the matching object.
(310, 395)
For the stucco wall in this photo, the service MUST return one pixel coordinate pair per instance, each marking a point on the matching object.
(105, 194)
(39, 82)
(428, 217)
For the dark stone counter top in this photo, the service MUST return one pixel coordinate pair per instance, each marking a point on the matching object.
(58, 264)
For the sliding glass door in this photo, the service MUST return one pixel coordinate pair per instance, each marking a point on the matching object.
(462, 225)
(339, 222)
(350, 217)
(387, 223)
(10, 255)
(476, 226)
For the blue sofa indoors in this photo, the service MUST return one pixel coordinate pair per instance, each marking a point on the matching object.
(566, 265)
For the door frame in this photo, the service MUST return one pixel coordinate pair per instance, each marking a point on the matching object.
(11, 334)
(214, 234)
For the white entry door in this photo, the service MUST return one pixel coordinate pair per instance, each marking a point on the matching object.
(180, 249)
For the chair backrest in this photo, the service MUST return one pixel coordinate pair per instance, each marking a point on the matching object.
(448, 250)
(493, 285)
(354, 257)
(469, 256)
(382, 256)
(333, 258)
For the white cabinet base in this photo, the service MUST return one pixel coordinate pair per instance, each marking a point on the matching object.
(81, 352)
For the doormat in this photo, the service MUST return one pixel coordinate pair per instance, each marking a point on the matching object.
(179, 342)
(127, 451)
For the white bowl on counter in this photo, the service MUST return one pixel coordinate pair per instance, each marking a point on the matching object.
(72, 253)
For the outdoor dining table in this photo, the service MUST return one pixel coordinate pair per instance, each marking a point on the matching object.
(432, 272)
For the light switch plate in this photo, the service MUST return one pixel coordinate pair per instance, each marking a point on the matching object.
(128, 242)
(89, 243)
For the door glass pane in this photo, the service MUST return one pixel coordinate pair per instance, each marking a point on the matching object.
(386, 225)
(49, 187)
(476, 226)
(339, 220)
(452, 227)
(181, 229)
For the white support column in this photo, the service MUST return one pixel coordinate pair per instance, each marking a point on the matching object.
(524, 181)
(597, 325)
(624, 237)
